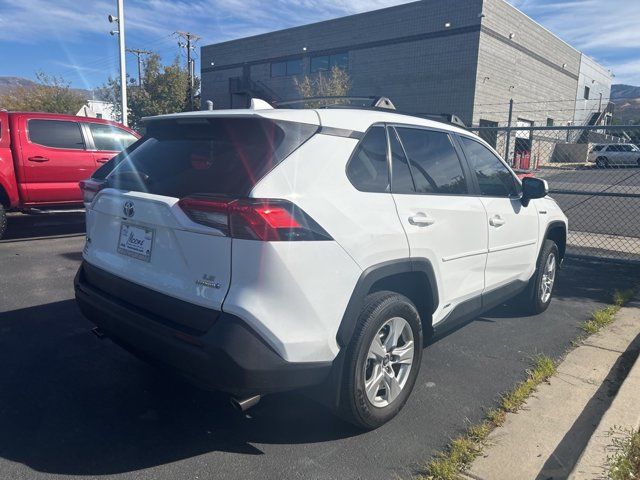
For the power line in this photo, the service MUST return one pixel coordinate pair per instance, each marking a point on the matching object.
(189, 38)
(138, 53)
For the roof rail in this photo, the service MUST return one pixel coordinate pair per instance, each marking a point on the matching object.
(335, 101)
(366, 103)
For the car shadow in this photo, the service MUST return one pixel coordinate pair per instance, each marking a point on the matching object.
(27, 227)
(76, 405)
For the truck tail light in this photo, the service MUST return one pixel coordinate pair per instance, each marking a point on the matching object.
(90, 189)
(265, 220)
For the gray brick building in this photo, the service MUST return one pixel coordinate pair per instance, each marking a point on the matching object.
(467, 57)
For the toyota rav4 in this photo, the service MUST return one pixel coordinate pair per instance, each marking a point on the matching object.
(262, 250)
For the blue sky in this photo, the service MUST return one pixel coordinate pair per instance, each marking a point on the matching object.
(70, 38)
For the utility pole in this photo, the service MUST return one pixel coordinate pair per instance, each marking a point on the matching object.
(123, 67)
(189, 39)
(507, 146)
(138, 53)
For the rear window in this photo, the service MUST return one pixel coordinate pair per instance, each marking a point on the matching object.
(225, 156)
(597, 148)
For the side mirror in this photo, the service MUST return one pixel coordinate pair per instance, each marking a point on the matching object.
(533, 188)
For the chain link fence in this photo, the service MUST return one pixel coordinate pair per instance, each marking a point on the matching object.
(593, 173)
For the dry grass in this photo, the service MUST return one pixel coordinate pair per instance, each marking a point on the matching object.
(625, 463)
(465, 448)
(458, 456)
(603, 317)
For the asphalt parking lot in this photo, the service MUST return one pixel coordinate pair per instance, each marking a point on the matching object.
(71, 404)
(590, 211)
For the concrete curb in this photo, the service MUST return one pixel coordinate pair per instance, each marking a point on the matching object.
(624, 412)
(547, 437)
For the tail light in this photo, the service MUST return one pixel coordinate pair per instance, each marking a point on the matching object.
(254, 219)
(90, 189)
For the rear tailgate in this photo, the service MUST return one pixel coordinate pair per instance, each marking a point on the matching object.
(155, 245)
(136, 229)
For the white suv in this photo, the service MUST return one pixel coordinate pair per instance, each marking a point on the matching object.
(614, 155)
(262, 250)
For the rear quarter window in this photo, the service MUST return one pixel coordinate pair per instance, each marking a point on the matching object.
(368, 169)
(224, 156)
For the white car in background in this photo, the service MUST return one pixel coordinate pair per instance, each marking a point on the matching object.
(614, 155)
(261, 250)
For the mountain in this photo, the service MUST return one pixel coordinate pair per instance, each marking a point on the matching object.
(9, 83)
(621, 91)
(627, 101)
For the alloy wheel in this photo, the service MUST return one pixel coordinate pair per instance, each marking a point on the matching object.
(389, 361)
(548, 278)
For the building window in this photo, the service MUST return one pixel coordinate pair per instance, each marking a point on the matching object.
(488, 132)
(288, 68)
(586, 93)
(327, 62)
(549, 122)
(279, 69)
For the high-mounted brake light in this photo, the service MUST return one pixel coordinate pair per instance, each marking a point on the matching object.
(254, 219)
(90, 189)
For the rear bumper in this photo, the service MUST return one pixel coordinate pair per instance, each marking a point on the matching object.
(229, 357)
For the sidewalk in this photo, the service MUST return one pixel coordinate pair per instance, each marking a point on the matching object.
(561, 428)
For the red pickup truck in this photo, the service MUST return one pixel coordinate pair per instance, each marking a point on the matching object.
(43, 156)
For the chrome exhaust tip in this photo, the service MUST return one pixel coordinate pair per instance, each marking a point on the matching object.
(244, 404)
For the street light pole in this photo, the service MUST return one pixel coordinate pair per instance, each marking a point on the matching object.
(123, 66)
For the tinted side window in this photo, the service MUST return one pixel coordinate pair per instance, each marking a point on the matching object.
(106, 137)
(368, 169)
(433, 160)
(401, 179)
(494, 177)
(56, 134)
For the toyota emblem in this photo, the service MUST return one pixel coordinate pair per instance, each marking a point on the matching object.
(128, 209)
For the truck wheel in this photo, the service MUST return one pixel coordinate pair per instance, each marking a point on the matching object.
(537, 296)
(602, 162)
(382, 361)
(3, 220)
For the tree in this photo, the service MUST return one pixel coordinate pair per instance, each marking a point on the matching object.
(334, 84)
(49, 94)
(164, 90)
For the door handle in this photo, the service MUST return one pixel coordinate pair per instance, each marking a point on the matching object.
(38, 159)
(421, 220)
(103, 160)
(496, 221)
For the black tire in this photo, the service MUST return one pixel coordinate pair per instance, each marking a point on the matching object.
(532, 297)
(638, 162)
(3, 220)
(602, 162)
(355, 406)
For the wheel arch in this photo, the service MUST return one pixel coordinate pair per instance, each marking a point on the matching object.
(413, 278)
(5, 201)
(557, 231)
